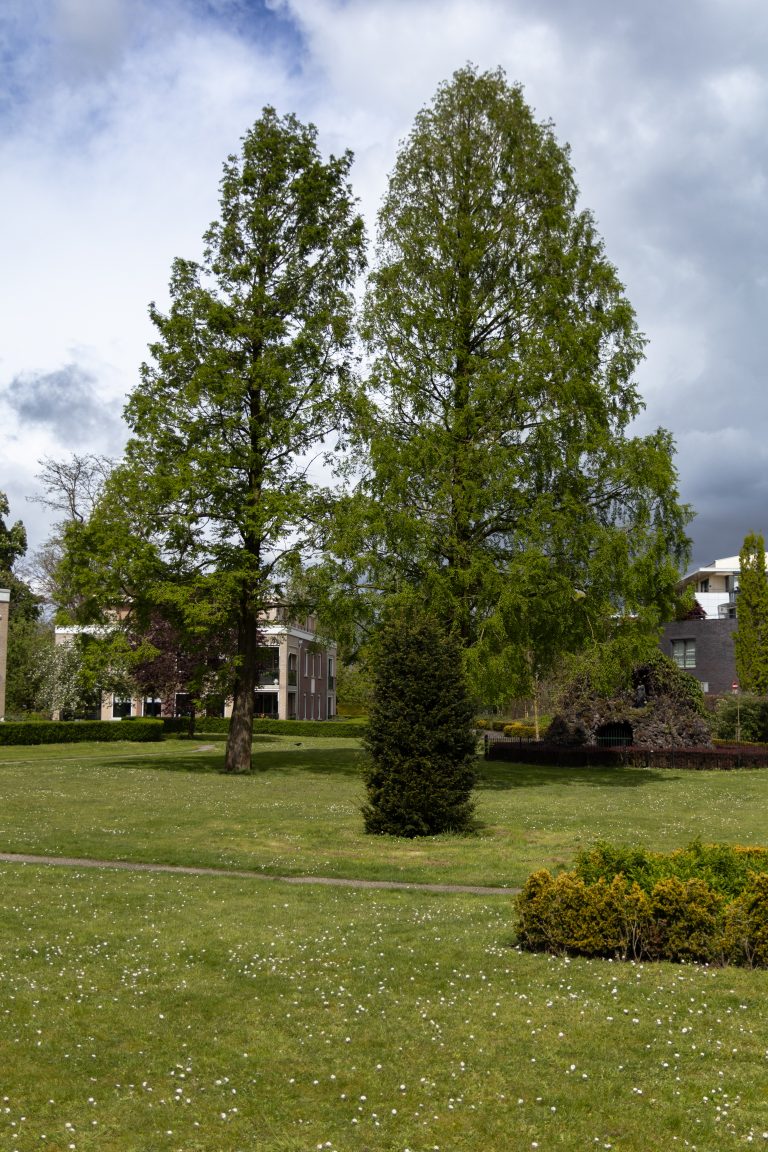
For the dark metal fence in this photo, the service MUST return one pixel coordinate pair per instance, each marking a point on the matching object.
(723, 758)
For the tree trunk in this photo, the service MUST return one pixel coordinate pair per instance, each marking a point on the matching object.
(240, 738)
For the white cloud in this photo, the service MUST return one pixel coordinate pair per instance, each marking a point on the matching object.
(116, 116)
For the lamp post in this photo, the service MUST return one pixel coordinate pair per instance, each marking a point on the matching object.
(5, 602)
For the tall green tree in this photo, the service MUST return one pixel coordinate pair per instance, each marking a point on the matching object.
(420, 733)
(751, 637)
(498, 469)
(29, 637)
(247, 378)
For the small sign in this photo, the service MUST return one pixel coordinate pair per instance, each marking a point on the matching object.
(735, 686)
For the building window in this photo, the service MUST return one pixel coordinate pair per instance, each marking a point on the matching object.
(183, 704)
(121, 706)
(704, 585)
(152, 706)
(684, 653)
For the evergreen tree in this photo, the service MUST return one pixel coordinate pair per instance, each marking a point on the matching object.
(420, 736)
(751, 638)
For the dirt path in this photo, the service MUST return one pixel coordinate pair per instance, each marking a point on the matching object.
(184, 870)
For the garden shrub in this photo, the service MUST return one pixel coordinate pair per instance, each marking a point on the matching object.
(748, 713)
(745, 934)
(80, 731)
(725, 867)
(219, 725)
(686, 919)
(420, 736)
(520, 731)
(565, 914)
(705, 903)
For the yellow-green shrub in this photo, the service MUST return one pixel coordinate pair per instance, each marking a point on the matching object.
(678, 921)
(520, 731)
(745, 934)
(564, 914)
(686, 921)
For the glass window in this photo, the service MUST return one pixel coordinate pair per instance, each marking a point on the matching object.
(684, 653)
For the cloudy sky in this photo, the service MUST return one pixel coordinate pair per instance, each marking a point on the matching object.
(116, 116)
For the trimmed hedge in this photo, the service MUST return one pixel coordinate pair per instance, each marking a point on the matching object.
(336, 728)
(79, 731)
(626, 904)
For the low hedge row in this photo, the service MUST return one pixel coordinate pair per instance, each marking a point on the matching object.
(218, 724)
(719, 917)
(79, 731)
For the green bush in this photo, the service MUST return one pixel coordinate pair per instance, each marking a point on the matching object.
(686, 921)
(705, 903)
(725, 867)
(518, 730)
(745, 934)
(564, 914)
(750, 713)
(80, 731)
(215, 725)
(420, 735)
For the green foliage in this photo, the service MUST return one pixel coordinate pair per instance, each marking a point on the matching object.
(747, 713)
(520, 731)
(705, 903)
(29, 643)
(79, 731)
(13, 540)
(28, 637)
(564, 914)
(498, 473)
(322, 728)
(745, 935)
(751, 637)
(248, 376)
(724, 867)
(686, 921)
(420, 729)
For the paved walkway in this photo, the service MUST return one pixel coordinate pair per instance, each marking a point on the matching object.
(330, 881)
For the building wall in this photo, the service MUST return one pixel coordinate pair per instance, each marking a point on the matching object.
(715, 666)
(304, 687)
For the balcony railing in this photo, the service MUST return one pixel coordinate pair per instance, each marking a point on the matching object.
(268, 679)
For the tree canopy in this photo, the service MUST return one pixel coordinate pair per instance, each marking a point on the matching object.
(246, 379)
(751, 637)
(498, 472)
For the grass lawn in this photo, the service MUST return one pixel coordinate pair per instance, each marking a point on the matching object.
(298, 813)
(157, 1013)
(145, 1013)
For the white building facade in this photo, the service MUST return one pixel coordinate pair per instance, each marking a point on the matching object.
(296, 680)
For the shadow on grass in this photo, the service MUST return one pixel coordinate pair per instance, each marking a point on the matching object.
(502, 777)
(287, 761)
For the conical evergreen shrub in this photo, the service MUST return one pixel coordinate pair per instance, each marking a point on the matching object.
(420, 729)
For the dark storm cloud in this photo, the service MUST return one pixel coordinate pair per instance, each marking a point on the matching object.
(66, 403)
(670, 145)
